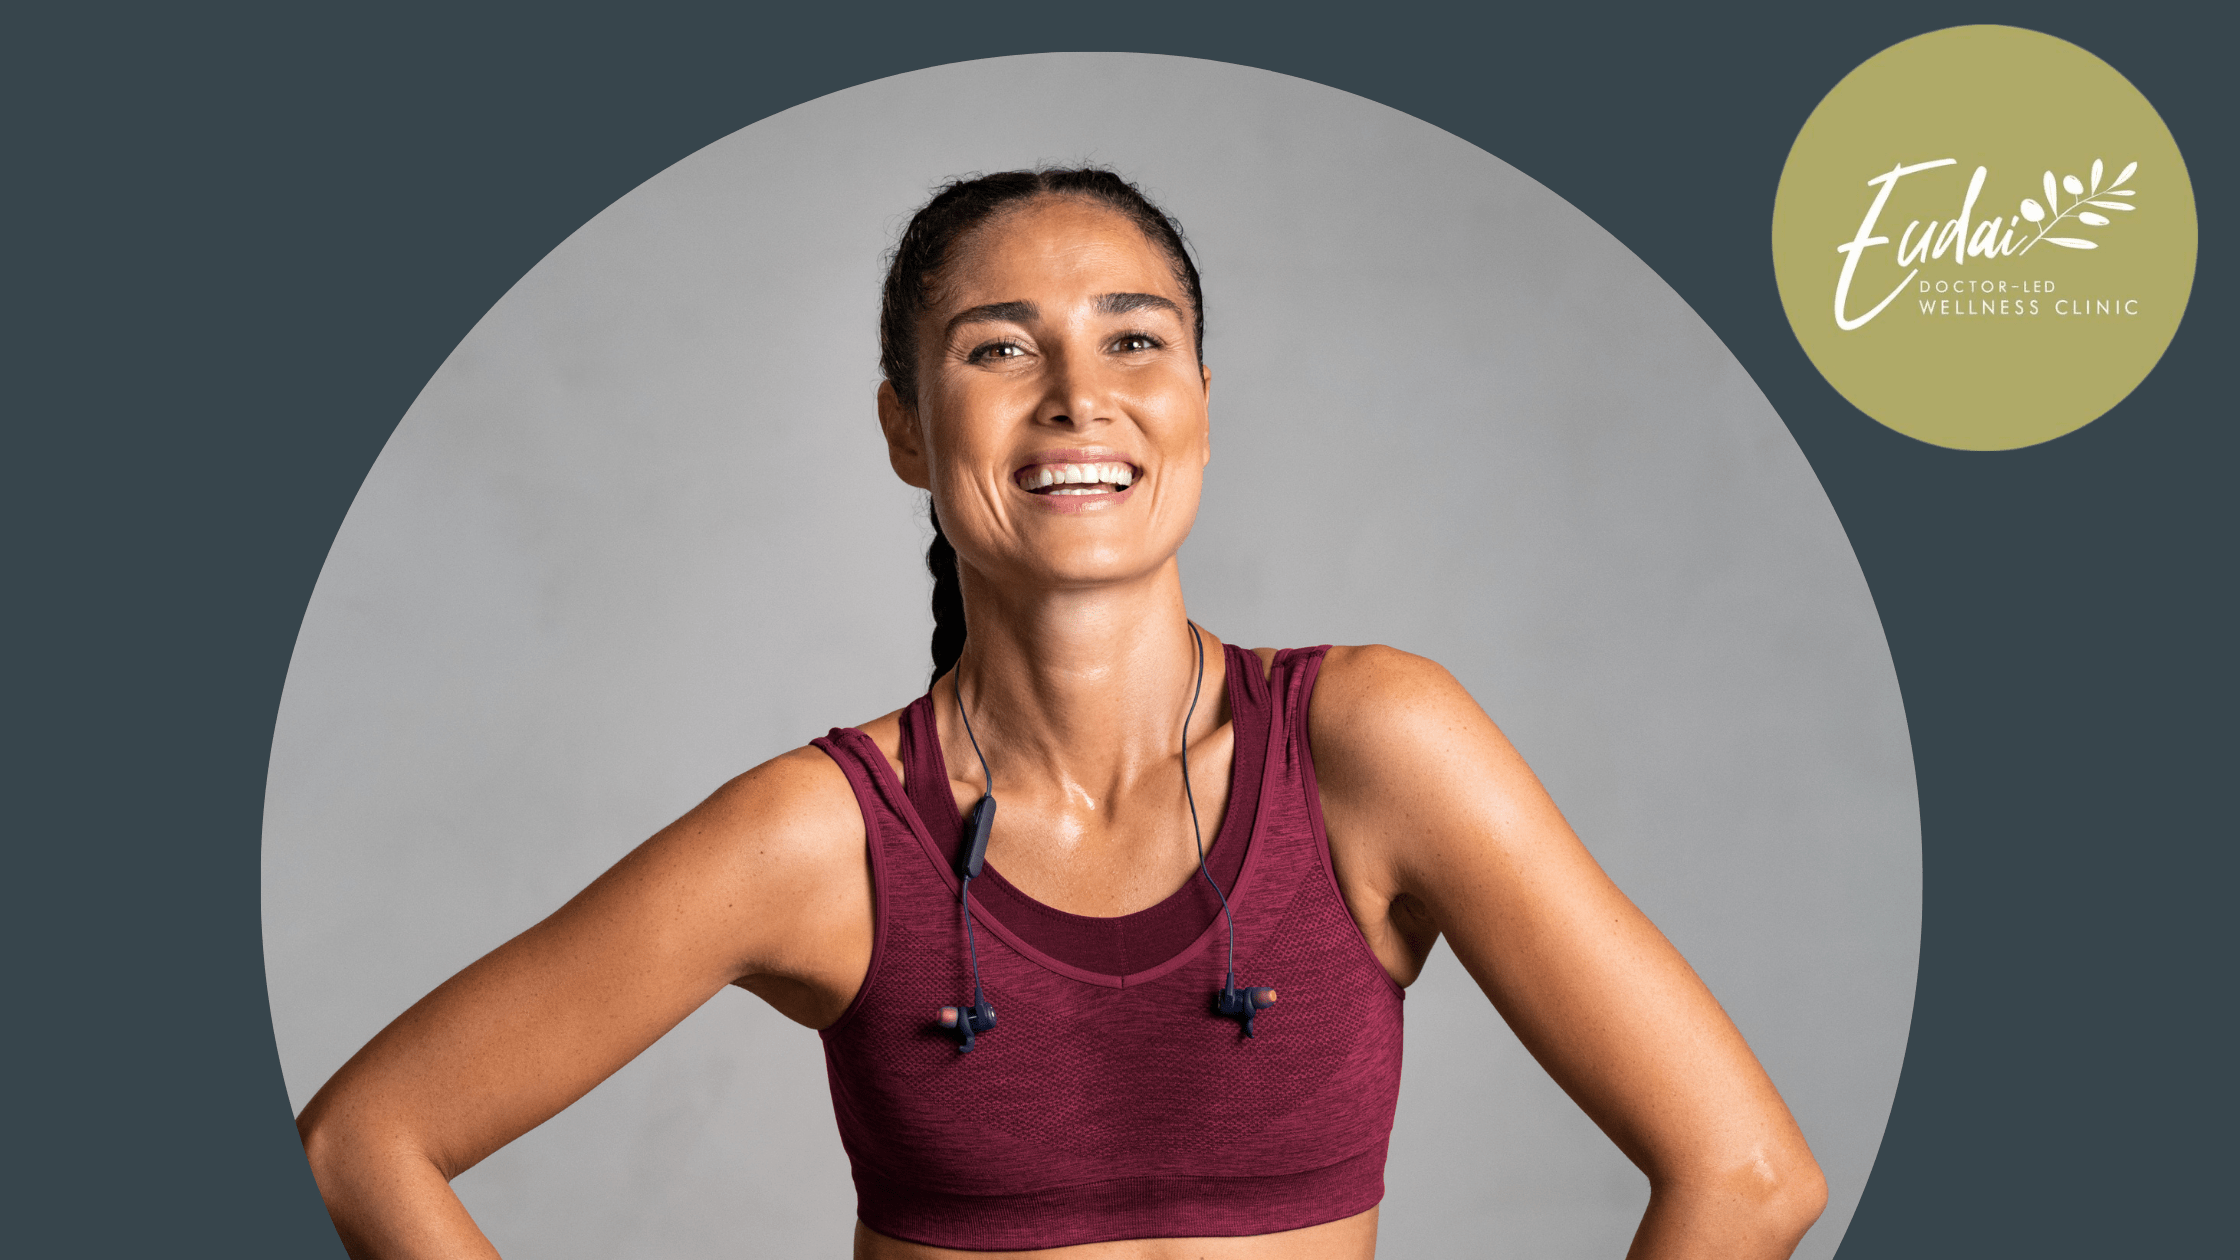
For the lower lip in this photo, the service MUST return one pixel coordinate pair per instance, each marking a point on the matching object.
(1076, 504)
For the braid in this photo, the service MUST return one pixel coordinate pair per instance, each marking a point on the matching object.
(948, 600)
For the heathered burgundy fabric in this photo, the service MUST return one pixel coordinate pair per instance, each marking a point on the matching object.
(1110, 1102)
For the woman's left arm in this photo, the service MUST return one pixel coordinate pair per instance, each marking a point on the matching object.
(1436, 824)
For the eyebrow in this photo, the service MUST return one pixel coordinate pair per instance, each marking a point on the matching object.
(1027, 312)
(1122, 303)
(993, 313)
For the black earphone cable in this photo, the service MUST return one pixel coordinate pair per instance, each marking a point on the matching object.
(1197, 835)
(964, 881)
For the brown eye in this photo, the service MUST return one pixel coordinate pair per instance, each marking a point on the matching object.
(1130, 343)
(996, 350)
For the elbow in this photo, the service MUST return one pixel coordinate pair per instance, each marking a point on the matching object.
(328, 1150)
(359, 1180)
(346, 1162)
(1755, 1203)
(1803, 1196)
(1781, 1193)
(324, 1146)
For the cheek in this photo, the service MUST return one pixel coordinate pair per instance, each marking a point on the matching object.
(1181, 492)
(1180, 424)
(964, 424)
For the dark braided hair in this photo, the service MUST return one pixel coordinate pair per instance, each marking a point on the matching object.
(957, 208)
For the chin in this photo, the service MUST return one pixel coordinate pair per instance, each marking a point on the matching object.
(1091, 564)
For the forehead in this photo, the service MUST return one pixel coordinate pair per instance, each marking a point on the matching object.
(1052, 246)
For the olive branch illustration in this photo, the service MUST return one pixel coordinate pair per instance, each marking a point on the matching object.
(2081, 196)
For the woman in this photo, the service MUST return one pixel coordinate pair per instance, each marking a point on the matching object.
(1158, 1014)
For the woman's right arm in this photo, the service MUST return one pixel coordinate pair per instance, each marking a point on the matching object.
(764, 884)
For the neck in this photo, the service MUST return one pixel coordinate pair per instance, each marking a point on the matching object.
(1080, 684)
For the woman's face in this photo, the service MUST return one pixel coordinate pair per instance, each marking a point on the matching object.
(1061, 413)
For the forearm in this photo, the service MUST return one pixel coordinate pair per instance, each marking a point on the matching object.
(1758, 1215)
(390, 1202)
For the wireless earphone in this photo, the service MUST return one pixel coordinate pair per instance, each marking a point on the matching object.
(1243, 1004)
(1229, 1001)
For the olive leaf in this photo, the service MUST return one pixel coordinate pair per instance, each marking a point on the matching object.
(2047, 217)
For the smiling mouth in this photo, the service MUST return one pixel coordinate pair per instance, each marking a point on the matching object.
(1067, 479)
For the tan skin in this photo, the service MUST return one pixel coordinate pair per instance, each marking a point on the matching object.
(1078, 671)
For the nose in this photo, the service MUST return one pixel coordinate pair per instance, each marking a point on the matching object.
(1077, 393)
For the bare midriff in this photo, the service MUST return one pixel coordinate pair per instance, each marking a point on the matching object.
(1354, 1238)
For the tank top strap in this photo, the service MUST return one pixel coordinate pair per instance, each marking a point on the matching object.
(1290, 687)
(926, 773)
(1291, 679)
(1290, 684)
(867, 772)
(903, 851)
(1248, 691)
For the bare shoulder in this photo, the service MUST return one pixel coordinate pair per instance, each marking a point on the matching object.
(1375, 704)
(1394, 738)
(792, 807)
(798, 806)
(1377, 668)
(796, 809)
(1411, 769)
(768, 864)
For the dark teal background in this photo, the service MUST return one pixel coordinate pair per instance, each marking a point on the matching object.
(239, 242)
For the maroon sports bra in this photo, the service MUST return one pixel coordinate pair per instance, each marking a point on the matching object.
(1111, 1102)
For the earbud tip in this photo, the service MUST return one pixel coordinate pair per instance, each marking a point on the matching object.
(1263, 998)
(948, 1017)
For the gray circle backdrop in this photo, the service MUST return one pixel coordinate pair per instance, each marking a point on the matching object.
(638, 534)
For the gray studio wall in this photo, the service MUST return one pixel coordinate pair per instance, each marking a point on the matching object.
(638, 534)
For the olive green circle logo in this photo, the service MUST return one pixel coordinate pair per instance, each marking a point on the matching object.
(1984, 237)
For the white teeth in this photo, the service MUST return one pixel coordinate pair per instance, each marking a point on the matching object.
(1044, 476)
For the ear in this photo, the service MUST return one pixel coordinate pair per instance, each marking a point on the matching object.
(905, 443)
(1205, 374)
